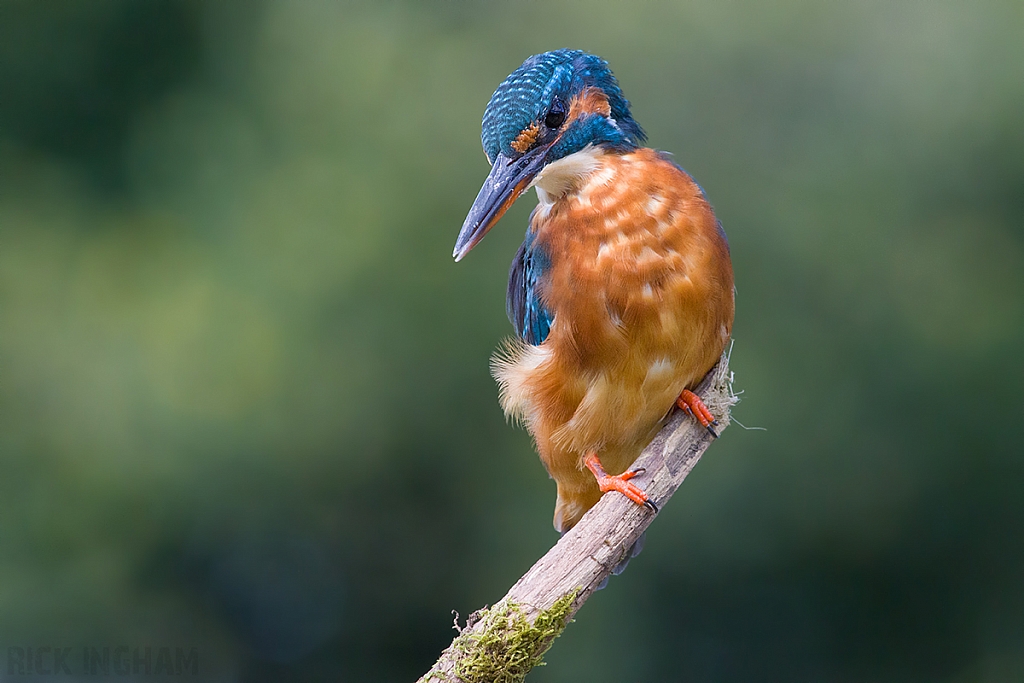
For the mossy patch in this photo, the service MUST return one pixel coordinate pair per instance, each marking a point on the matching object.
(509, 645)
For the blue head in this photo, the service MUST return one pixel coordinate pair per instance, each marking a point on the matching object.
(554, 105)
(539, 95)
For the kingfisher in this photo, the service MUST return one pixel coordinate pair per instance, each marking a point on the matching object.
(621, 294)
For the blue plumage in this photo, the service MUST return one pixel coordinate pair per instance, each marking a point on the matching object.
(523, 304)
(530, 90)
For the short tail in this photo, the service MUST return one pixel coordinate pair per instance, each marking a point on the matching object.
(634, 550)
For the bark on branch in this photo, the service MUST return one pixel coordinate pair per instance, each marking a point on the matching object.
(503, 643)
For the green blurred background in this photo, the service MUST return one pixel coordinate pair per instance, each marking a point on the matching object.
(244, 392)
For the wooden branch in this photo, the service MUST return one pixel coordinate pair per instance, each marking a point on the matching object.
(504, 642)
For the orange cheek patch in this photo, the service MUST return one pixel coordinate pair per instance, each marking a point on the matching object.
(526, 138)
(589, 101)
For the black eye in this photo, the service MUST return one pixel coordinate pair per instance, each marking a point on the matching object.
(556, 115)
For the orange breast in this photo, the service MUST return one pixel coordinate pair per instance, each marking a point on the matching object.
(640, 286)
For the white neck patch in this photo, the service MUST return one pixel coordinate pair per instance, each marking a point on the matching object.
(565, 175)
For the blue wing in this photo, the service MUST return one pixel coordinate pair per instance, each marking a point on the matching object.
(525, 309)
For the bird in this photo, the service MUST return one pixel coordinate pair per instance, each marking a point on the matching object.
(621, 294)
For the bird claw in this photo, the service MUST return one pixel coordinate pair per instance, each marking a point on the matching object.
(619, 482)
(692, 404)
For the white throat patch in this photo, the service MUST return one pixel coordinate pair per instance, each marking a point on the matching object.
(560, 177)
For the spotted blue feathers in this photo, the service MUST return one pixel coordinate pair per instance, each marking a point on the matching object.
(528, 93)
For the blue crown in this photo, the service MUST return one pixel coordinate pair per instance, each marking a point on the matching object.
(528, 93)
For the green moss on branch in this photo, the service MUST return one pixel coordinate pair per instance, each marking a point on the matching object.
(505, 645)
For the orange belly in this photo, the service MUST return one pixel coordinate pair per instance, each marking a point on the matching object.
(640, 288)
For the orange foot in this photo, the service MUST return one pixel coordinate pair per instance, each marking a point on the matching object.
(692, 404)
(620, 482)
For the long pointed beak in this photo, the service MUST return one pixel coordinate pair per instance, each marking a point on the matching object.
(508, 179)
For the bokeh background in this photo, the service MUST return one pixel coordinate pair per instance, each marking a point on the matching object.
(244, 392)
